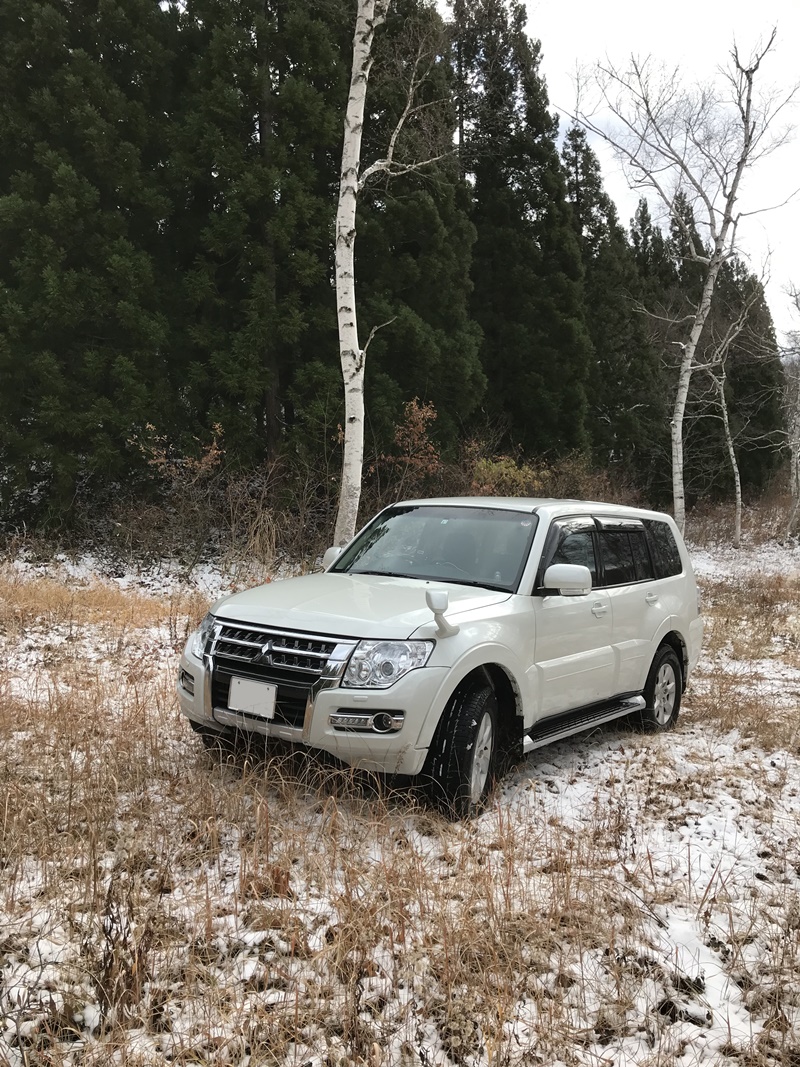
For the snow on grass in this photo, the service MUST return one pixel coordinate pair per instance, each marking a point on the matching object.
(626, 899)
(724, 561)
(165, 578)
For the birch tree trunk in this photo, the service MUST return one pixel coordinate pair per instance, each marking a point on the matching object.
(737, 479)
(682, 394)
(371, 13)
(794, 479)
(723, 248)
(792, 407)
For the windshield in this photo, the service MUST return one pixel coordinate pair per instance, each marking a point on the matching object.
(466, 545)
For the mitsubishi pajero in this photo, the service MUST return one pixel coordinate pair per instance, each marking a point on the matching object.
(450, 632)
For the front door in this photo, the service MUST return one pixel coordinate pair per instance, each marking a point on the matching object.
(575, 662)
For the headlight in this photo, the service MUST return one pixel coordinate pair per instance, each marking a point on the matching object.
(201, 636)
(378, 664)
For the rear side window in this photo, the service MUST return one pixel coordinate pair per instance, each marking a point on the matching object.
(666, 557)
(619, 567)
(641, 556)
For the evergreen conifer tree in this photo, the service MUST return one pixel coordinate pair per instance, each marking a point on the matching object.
(655, 266)
(254, 174)
(83, 94)
(627, 414)
(527, 274)
(413, 251)
(671, 284)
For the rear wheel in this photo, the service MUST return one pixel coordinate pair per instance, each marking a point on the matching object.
(662, 693)
(460, 768)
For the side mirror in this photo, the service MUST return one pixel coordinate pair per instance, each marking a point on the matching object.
(331, 555)
(438, 601)
(569, 579)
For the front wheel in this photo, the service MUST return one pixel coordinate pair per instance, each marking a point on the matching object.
(215, 741)
(662, 693)
(460, 768)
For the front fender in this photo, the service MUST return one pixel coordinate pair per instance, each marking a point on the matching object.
(473, 660)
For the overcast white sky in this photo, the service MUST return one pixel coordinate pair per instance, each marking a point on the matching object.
(697, 36)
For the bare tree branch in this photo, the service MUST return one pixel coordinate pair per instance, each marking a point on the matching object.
(374, 330)
(689, 145)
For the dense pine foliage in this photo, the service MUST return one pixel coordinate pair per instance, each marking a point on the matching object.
(168, 175)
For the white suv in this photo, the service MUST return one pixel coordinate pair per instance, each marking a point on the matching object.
(450, 632)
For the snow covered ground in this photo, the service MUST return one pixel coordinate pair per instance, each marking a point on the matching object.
(627, 899)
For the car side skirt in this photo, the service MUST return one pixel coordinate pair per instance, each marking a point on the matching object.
(556, 727)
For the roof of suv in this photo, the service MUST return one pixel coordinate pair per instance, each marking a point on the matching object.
(544, 505)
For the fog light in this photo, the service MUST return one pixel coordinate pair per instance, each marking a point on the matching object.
(187, 681)
(382, 722)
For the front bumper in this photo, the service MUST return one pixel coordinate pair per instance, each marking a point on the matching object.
(350, 724)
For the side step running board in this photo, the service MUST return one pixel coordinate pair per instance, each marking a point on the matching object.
(559, 726)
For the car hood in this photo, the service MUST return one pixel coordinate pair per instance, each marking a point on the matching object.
(349, 605)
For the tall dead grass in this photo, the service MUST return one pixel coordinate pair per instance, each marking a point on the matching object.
(763, 520)
(158, 904)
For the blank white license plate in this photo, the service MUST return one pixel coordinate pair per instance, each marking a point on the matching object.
(256, 698)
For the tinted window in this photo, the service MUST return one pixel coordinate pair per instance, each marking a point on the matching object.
(666, 557)
(577, 548)
(617, 555)
(641, 557)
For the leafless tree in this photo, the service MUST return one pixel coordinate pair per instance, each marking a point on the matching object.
(791, 368)
(689, 145)
(717, 369)
(371, 14)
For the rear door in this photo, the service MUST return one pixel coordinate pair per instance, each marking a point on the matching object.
(638, 608)
(574, 656)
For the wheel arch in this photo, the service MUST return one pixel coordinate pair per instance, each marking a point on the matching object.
(507, 691)
(509, 701)
(672, 639)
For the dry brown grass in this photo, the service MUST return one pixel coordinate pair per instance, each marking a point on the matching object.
(158, 904)
(763, 521)
(51, 602)
(750, 680)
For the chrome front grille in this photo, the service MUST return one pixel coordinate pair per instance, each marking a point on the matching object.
(273, 648)
(293, 662)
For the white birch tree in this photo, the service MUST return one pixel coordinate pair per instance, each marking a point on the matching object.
(690, 145)
(791, 369)
(792, 407)
(717, 368)
(371, 14)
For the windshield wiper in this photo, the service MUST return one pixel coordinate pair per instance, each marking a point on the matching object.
(464, 581)
(474, 583)
(480, 585)
(383, 574)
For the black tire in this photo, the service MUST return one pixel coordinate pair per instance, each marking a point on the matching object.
(217, 741)
(662, 693)
(461, 764)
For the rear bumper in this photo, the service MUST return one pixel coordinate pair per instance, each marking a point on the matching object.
(695, 643)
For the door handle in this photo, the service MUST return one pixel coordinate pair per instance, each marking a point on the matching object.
(652, 598)
(599, 609)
